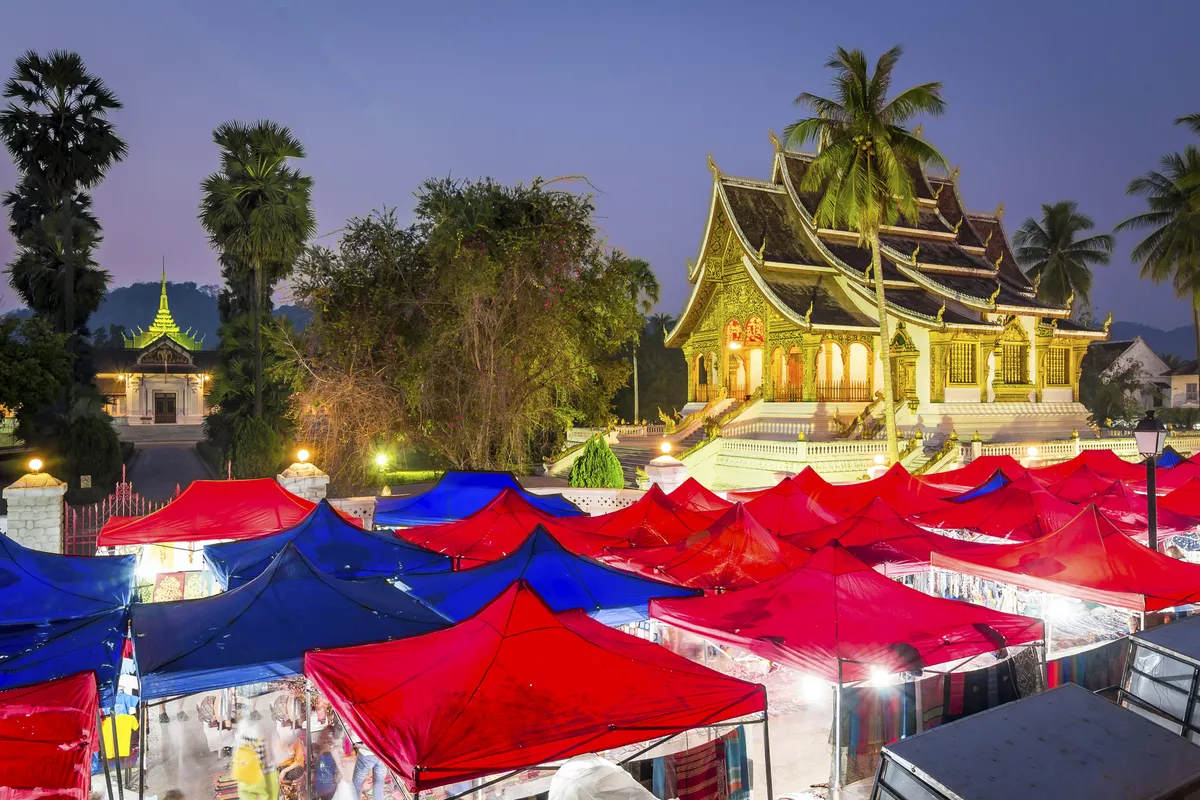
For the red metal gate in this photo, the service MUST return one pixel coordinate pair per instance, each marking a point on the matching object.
(82, 524)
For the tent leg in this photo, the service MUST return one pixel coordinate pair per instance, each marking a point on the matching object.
(835, 791)
(767, 747)
(117, 747)
(143, 741)
(307, 740)
(103, 758)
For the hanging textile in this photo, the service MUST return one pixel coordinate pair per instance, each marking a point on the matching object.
(1094, 669)
(737, 764)
(700, 772)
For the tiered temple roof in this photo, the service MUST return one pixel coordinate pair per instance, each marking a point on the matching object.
(949, 269)
(163, 325)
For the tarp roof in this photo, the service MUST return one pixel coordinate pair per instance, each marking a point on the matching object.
(35, 653)
(1080, 486)
(1129, 511)
(837, 609)
(47, 734)
(1021, 511)
(1170, 458)
(733, 553)
(1184, 500)
(692, 495)
(786, 509)
(260, 630)
(497, 530)
(810, 481)
(210, 510)
(1105, 462)
(458, 495)
(651, 520)
(902, 492)
(516, 686)
(562, 579)
(1167, 480)
(878, 536)
(973, 474)
(1088, 559)
(336, 547)
(37, 587)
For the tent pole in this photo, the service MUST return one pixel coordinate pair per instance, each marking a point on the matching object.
(103, 757)
(307, 740)
(143, 741)
(767, 747)
(836, 789)
(117, 747)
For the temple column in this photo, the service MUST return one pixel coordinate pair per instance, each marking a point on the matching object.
(810, 347)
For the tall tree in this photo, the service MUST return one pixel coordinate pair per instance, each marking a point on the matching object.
(57, 129)
(644, 290)
(863, 171)
(257, 211)
(1171, 250)
(1052, 252)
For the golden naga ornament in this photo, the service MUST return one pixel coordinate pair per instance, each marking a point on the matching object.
(995, 294)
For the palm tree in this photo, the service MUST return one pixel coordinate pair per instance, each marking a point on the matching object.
(863, 170)
(1171, 251)
(1191, 120)
(258, 211)
(662, 323)
(56, 127)
(644, 289)
(1052, 252)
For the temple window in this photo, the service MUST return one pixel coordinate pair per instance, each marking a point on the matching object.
(1016, 363)
(964, 362)
(1058, 360)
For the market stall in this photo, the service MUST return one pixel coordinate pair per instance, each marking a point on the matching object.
(1081, 486)
(1103, 461)
(1021, 510)
(976, 472)
(1129, 511)
(787, 509)
(335, 546)
(693, 496)
(458, 495)
(902, 491)
(653, 519)
(38, 587)
(516, 686)
(47, 736)
(1161, 676)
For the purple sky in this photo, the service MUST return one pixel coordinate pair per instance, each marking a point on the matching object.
(1045, 103)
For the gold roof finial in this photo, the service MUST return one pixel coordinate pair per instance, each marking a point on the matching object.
(954, 173)
(999, 212)
(958, 225)
(808, 314)
(778, 145)
(713, 168)
(988, 240)
(937, 193)
(995, 294)
(1108, 321)
(919, 130)
(1070, 298)
(916, 253)
(1037, 281)
(999, 258)
(941, 313)
(762, 248)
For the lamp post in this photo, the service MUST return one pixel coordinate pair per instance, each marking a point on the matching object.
(1151, 437)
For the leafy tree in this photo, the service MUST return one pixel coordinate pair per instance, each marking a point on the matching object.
(597, 467)
(664, 386)
(1053, 252)
(863, 171)
(1107, 391)
(257, 211)
(35, 364)
(256, 451)
(1171, 249)
(90, 446)
(57, 129)
(644, 289)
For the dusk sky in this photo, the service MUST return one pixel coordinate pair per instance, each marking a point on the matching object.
(1047, 101)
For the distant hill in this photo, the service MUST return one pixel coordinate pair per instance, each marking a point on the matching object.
(192, 306)
(1177, 341)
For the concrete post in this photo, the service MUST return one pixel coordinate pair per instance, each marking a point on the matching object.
(305, 480)
(35, 512)
(667, 472)
(976, 446)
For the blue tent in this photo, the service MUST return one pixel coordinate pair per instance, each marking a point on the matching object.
(459, 495)
(34, 653)
(335, 546)
(261, 630)
(1170, 458)
(561, 578)
(998, 481)
(37, 587)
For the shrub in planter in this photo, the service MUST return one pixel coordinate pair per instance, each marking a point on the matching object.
(89, 446)
(597, 467)
(256, 450)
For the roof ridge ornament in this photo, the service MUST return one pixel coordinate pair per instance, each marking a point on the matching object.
(762, 248)
(1108, 321)
(916, 253)
(988, 240)
(995, 294)
(954, 173)
(713, 168)
(958, 225)
(941, 313)
(808, 313)
(778, 145)
(1037, 281)
(919, 130)
(999, 258)
(999, 212)
(1071, 298)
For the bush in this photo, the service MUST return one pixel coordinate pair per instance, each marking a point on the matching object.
(256, 450)
(597, 467)
(89, 446)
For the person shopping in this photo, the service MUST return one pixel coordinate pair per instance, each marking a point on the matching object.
(367, 763)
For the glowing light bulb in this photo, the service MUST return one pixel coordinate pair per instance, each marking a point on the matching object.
(381, 459)
(1031, 452)
(35, 464)
(879, 459)
(302, 455)
(665, 447)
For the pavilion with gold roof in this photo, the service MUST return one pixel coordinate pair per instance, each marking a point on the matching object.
(783, 312)
(159, 377)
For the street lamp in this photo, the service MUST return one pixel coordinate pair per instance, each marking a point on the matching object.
(1151, 437)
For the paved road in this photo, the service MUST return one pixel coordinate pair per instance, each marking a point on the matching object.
(157, 469)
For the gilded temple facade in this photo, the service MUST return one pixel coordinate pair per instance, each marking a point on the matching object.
(784, 311)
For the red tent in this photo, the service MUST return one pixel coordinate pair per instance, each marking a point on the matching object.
(652, 520)
(1185, 500)
(959, 480)
(47, 735)
(498, 530)
(735, 552)
(810, 481)
(1088, 559)
(210, 510)
(786, 509)
(1170, 479)
(1021, 511)
(902, 492)
(836, 611)
(692, 496)
(516, 686)
(1104, 462)
(1128, 510)
(878, 536)
(1080, 486)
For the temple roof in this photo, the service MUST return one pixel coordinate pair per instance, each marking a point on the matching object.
(831, 306)
(163, 325)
